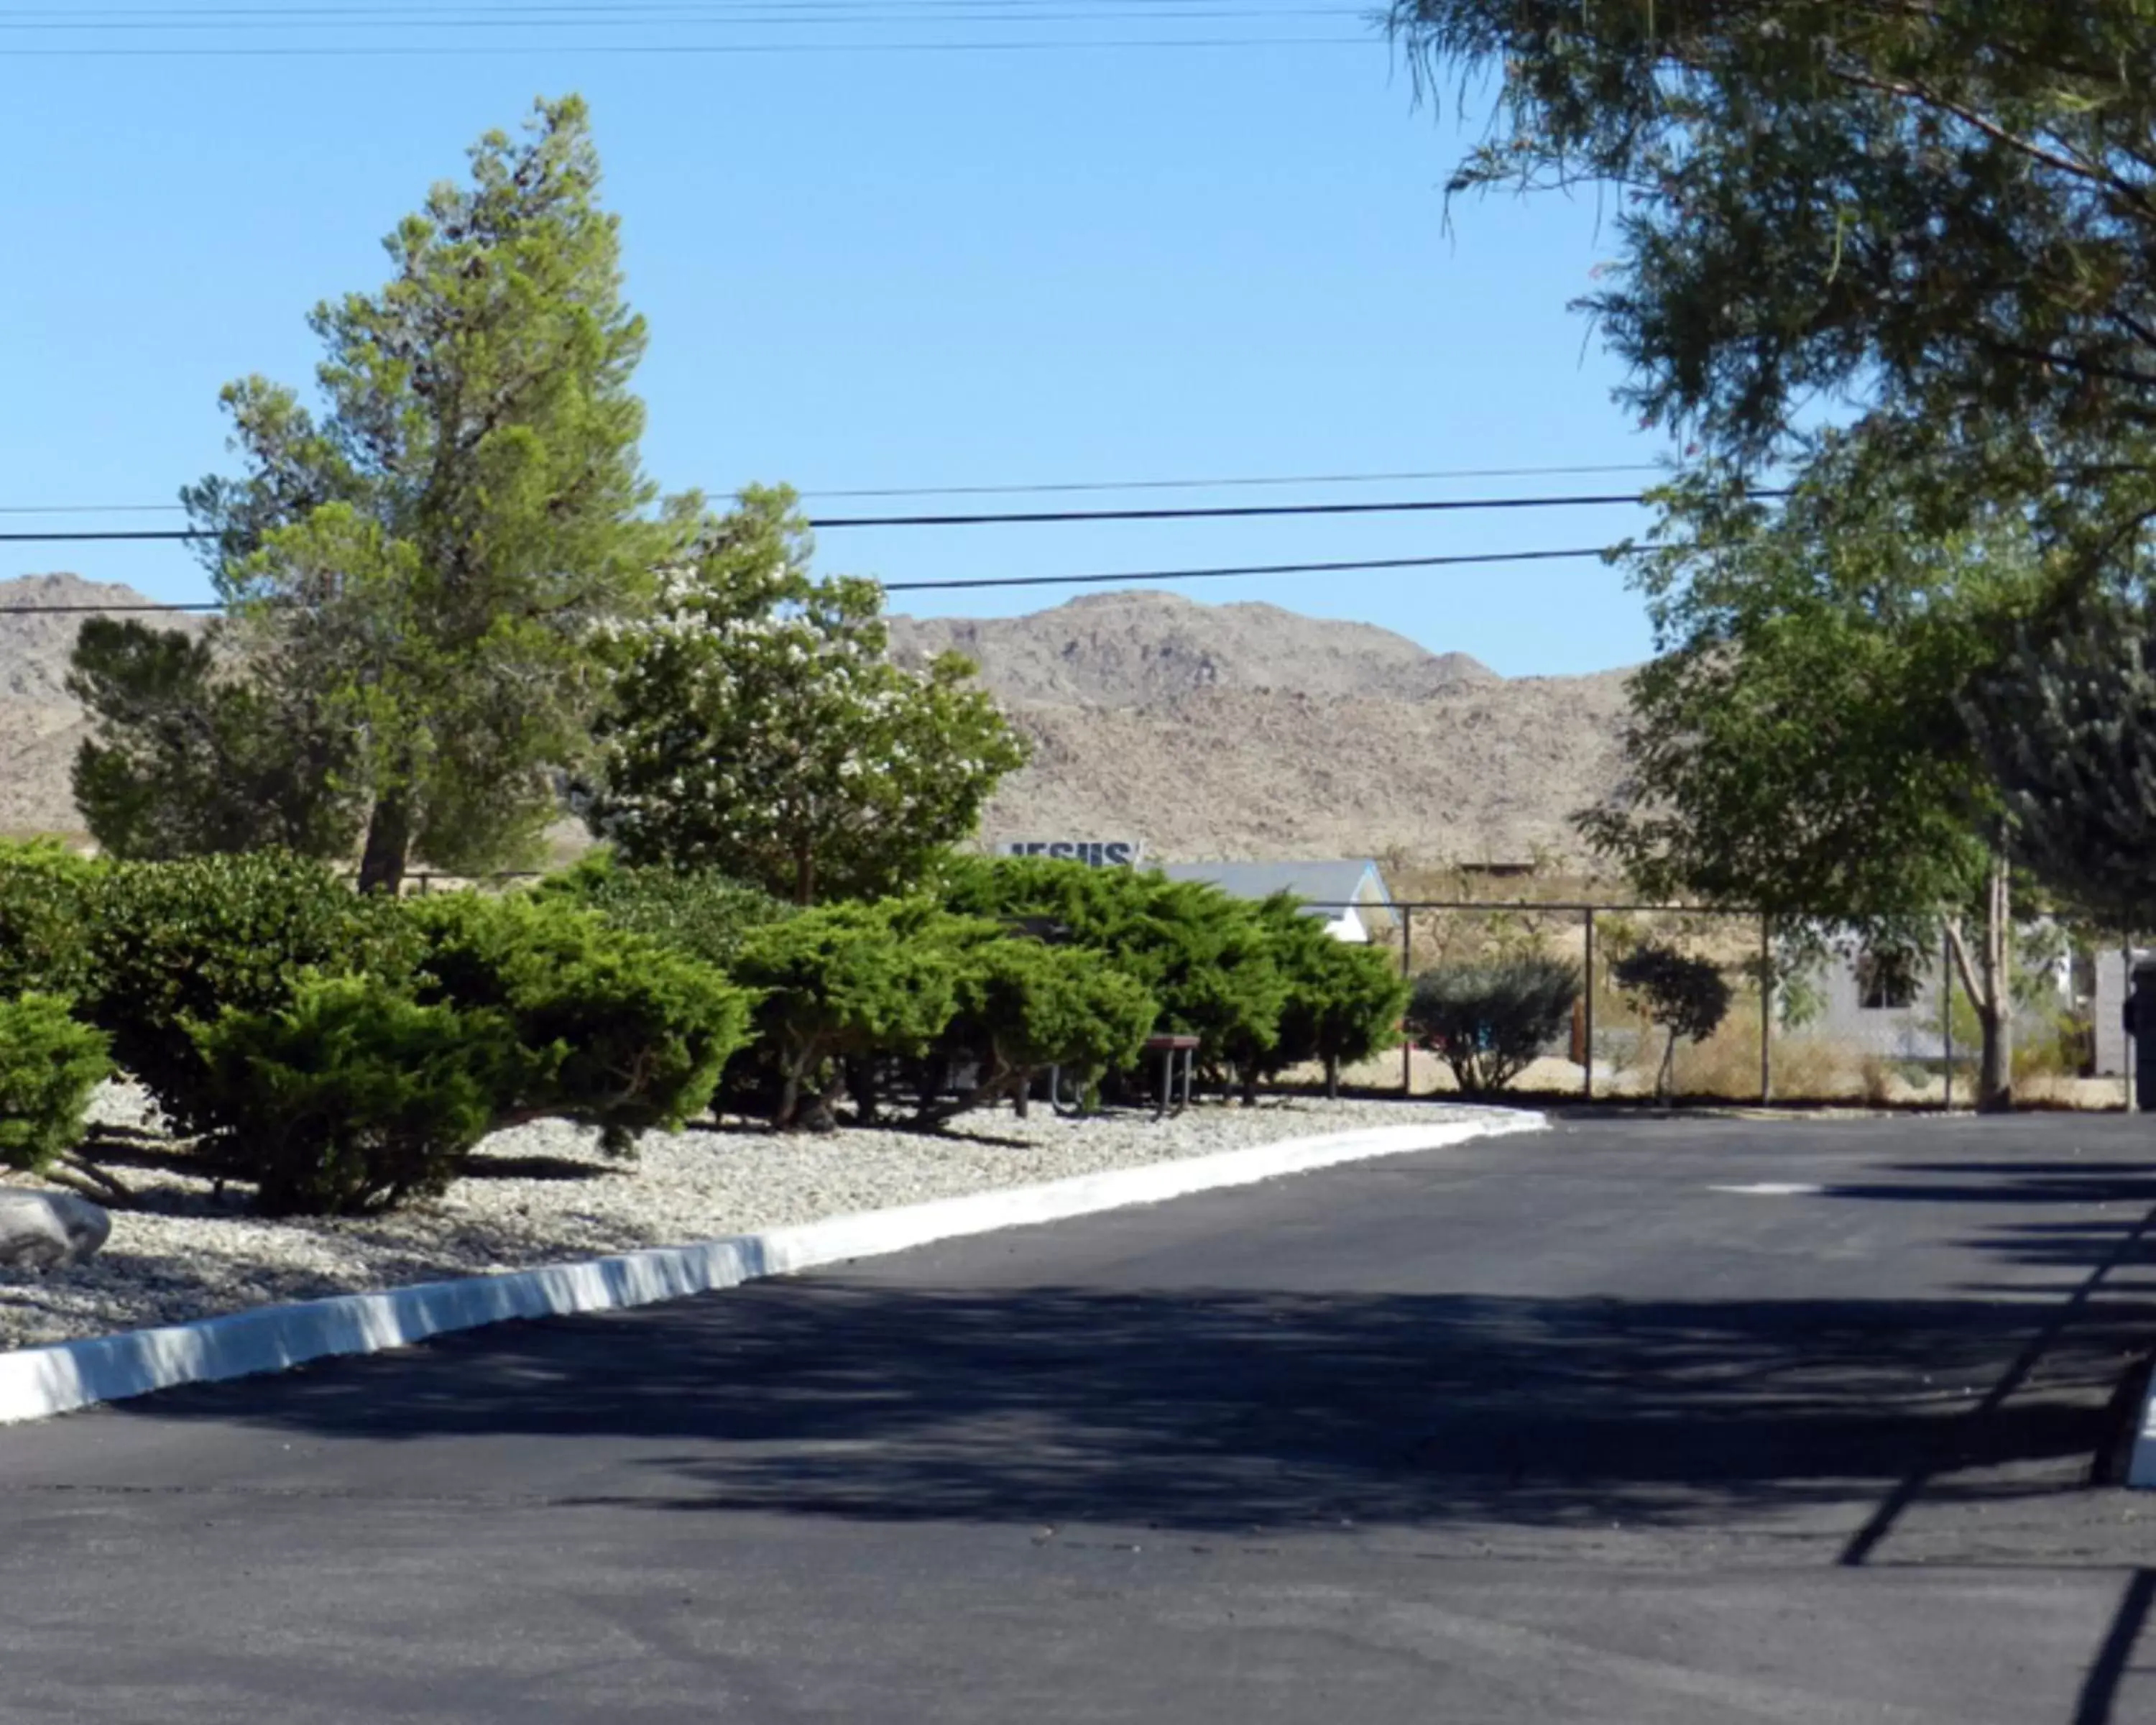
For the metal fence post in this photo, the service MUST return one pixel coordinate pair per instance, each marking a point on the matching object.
(2126, 1042)
(1407, 969)
(1766, 1009)
(1587, 1026)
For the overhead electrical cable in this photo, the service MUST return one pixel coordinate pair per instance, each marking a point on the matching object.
(1239, 570)
(1043, 489)
(1042, 517)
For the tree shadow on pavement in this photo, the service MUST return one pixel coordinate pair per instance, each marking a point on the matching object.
(1224, 1410)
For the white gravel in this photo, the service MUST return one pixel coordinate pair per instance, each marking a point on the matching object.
(542, 1193)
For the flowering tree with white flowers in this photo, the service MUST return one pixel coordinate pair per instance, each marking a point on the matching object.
(760, 728)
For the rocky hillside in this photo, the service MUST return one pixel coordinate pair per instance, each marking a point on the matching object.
(1244, 730)
(40, 725)
(1205, 730)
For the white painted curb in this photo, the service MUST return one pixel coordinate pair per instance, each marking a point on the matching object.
(38, 1382)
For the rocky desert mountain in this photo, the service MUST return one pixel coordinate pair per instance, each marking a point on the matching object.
(1213, 731)
(40, 724)
(1205, 730)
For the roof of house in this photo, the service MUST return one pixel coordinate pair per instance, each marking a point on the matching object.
(1318, 883)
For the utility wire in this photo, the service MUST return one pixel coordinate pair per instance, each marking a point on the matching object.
(1223, 484)
(1237, 511)
(738, 20)
(1226, 573)
(1038, 517)
(1249, 569)
(1058, 44)
(1060, 486)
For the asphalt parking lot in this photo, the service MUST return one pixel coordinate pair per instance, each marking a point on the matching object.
(1688, 1420)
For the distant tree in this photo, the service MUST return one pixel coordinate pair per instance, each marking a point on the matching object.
(434, 554)
(186, 760)
(1687, 996)
(2066, 720)
(760, 729)
(1797, 746)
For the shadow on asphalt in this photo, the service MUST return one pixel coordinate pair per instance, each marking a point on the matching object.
(1221, 1411)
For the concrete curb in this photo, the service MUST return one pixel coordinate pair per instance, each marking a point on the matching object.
(38, 1382)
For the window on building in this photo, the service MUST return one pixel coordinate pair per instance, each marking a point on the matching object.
(1885, 982)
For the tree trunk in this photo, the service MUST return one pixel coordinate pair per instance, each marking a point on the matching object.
(1994, 1078)
(804, 878)
(388, 844)
(1989, 985)
(794, 1064)
(1332, 1078)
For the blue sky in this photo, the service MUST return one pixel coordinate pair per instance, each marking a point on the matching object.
(868, 268)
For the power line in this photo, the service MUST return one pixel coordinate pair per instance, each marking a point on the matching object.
(758, 13)
(1219, 573)
(1223, 484)
(1234, 511)
(1057, 486)
(1038, 517)
(1250, 569)
(737, 21)
(676, 50)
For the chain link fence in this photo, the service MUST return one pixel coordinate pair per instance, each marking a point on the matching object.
(1835, 1023)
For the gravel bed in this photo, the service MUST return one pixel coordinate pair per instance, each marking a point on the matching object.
(542, 1193)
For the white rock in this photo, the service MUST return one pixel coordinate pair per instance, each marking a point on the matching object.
(544, 1192)
(42, 1230)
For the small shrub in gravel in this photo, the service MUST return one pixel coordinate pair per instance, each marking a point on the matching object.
(700, 912)
(49, 1063)
(45, 892)
(1344, 1001)
(846, 981)
(1205, 956)
(1487, 1021)
(173, 943)
(1022, 1007)
(353, 1096)
(619, 1032)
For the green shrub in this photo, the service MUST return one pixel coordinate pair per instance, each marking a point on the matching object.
(1344, 1001)
(351, 1096)
(1687, 996)
(172, 941)
(850, 981)
(49, 1064)
(700, 912)
(1205, 956)
(1488, 1021)
(1022, 1007)
(45, 893)
(619, 1032)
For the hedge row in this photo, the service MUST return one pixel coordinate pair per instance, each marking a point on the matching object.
(342, 1053)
